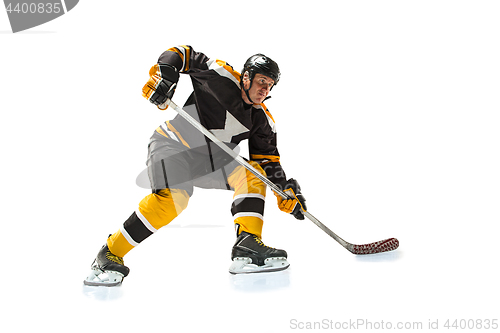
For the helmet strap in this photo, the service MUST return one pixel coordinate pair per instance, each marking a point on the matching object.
(246, 90)
(248, 95)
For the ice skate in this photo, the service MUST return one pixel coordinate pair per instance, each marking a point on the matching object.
(250, 255)
(106, 270)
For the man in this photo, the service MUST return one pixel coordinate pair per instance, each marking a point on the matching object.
(230, 105)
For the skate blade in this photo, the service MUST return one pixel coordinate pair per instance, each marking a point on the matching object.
(99, 277)
(245, 266)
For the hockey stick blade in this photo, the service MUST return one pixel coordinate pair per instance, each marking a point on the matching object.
(376, 247)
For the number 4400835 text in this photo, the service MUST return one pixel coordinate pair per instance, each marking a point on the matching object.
(25, 8)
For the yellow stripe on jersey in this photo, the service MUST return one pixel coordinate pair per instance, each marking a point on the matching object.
(185, 54)
(176, 50)
(270, 116)
(172, 128)
(270, 158)
(229, 69)
(188, 57)
(263, 107)
(160, 131)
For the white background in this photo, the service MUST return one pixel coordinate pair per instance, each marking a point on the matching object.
(387, 113)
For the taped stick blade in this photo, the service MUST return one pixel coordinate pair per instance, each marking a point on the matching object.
(385, 245)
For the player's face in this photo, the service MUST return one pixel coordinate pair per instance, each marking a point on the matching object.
(261, 87)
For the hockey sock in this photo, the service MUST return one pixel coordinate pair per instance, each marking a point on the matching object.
(118, 244)
(155, 211)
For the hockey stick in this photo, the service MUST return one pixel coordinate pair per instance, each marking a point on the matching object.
(376, 247)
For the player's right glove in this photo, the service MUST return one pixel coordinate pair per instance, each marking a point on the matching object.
(161, 84)
(296, 203)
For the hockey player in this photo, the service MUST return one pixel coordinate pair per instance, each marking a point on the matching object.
(230, 105)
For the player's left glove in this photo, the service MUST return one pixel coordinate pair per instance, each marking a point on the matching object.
(296, 203)
(161, 84)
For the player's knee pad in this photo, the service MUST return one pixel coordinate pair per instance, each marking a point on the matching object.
(160, 208)
(243, 181)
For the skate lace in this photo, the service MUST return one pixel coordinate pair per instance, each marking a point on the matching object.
(114, 258)
(260, 242)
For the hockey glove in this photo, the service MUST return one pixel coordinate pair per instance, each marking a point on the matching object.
(292, 206)
(161, 84)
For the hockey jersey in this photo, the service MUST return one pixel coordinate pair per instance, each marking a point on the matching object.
(217, 104)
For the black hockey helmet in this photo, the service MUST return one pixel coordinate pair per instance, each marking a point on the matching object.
(261, 64)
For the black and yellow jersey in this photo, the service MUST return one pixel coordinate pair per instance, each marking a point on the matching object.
(216, 102)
